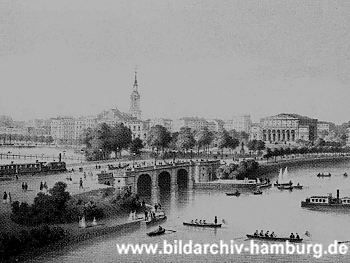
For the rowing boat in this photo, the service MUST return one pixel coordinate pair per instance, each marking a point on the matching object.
(212, 225)
(297, 187)
(156, 232)
(258, 192)
(156, 219)
(233, 194)
(281, 239)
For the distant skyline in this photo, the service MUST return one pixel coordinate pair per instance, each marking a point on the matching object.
(212, 59)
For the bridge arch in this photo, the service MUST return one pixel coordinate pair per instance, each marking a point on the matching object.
(182, 178)
(144, 185)
(164, 181)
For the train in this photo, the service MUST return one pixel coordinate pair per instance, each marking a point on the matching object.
(32, 168)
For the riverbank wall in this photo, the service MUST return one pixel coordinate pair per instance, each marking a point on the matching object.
(269, 170)
(272, 169)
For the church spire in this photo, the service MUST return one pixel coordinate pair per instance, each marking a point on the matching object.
(135, 82)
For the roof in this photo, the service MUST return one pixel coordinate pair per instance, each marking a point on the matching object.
(291, 116)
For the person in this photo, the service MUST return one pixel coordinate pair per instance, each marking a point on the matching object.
(9, 199)
(41, 186)
(204, 222)
(146, 215)
(196, 221)
(200, 221)
(143, 203)
(291, 236)
(22, 186)
(4, 199)
(155, 207)
(267, 234)
(297, 236)
(192, 221)
(81, 183)
(159, 206)
(261, 233)
(160, 228)
(45, 185)
(215, 220)
(256, 233)
(272, 234)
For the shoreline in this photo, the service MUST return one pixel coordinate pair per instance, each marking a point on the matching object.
(77, 237)
(271, 169)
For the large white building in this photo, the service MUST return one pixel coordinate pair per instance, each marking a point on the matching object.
(283, 128)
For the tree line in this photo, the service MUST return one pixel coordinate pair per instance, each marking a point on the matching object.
(104, 140)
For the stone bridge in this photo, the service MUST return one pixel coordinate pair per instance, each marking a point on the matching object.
(151, 180)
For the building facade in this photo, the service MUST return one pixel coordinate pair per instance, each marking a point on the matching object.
(194, 123)
(239, 123)
(289, 128)
(63, 130)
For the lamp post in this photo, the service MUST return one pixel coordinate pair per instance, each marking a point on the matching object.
(133, 160)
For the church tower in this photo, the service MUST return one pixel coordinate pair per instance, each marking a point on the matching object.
(135, 110)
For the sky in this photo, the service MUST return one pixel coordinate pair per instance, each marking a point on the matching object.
(213, 59)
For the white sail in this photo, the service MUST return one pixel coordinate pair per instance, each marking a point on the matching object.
(285, 173)
(280, 176)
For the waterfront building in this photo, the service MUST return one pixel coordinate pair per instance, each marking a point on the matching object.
(63, 130)
(289, 128)
(81, 125)
(135, 109)
(238, 123)
(348, 137)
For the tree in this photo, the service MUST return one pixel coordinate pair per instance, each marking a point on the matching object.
(136, 145)
(185, 139)
(203, 138)
(121, 138)
(158, 137)
(232, 143)
(222, 140)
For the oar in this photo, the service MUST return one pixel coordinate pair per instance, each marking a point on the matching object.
(170, 230)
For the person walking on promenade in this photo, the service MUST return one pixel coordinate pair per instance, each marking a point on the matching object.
(22, 186)
(146, 215)
(41, 186)
(4, 199)
(81, 184)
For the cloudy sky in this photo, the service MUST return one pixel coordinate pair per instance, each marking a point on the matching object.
(194, 58)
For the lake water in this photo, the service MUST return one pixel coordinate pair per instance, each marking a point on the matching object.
(275, 210)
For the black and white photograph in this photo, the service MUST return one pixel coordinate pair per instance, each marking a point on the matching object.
(151, 131)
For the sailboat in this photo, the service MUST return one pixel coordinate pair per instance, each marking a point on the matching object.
(280, 182)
